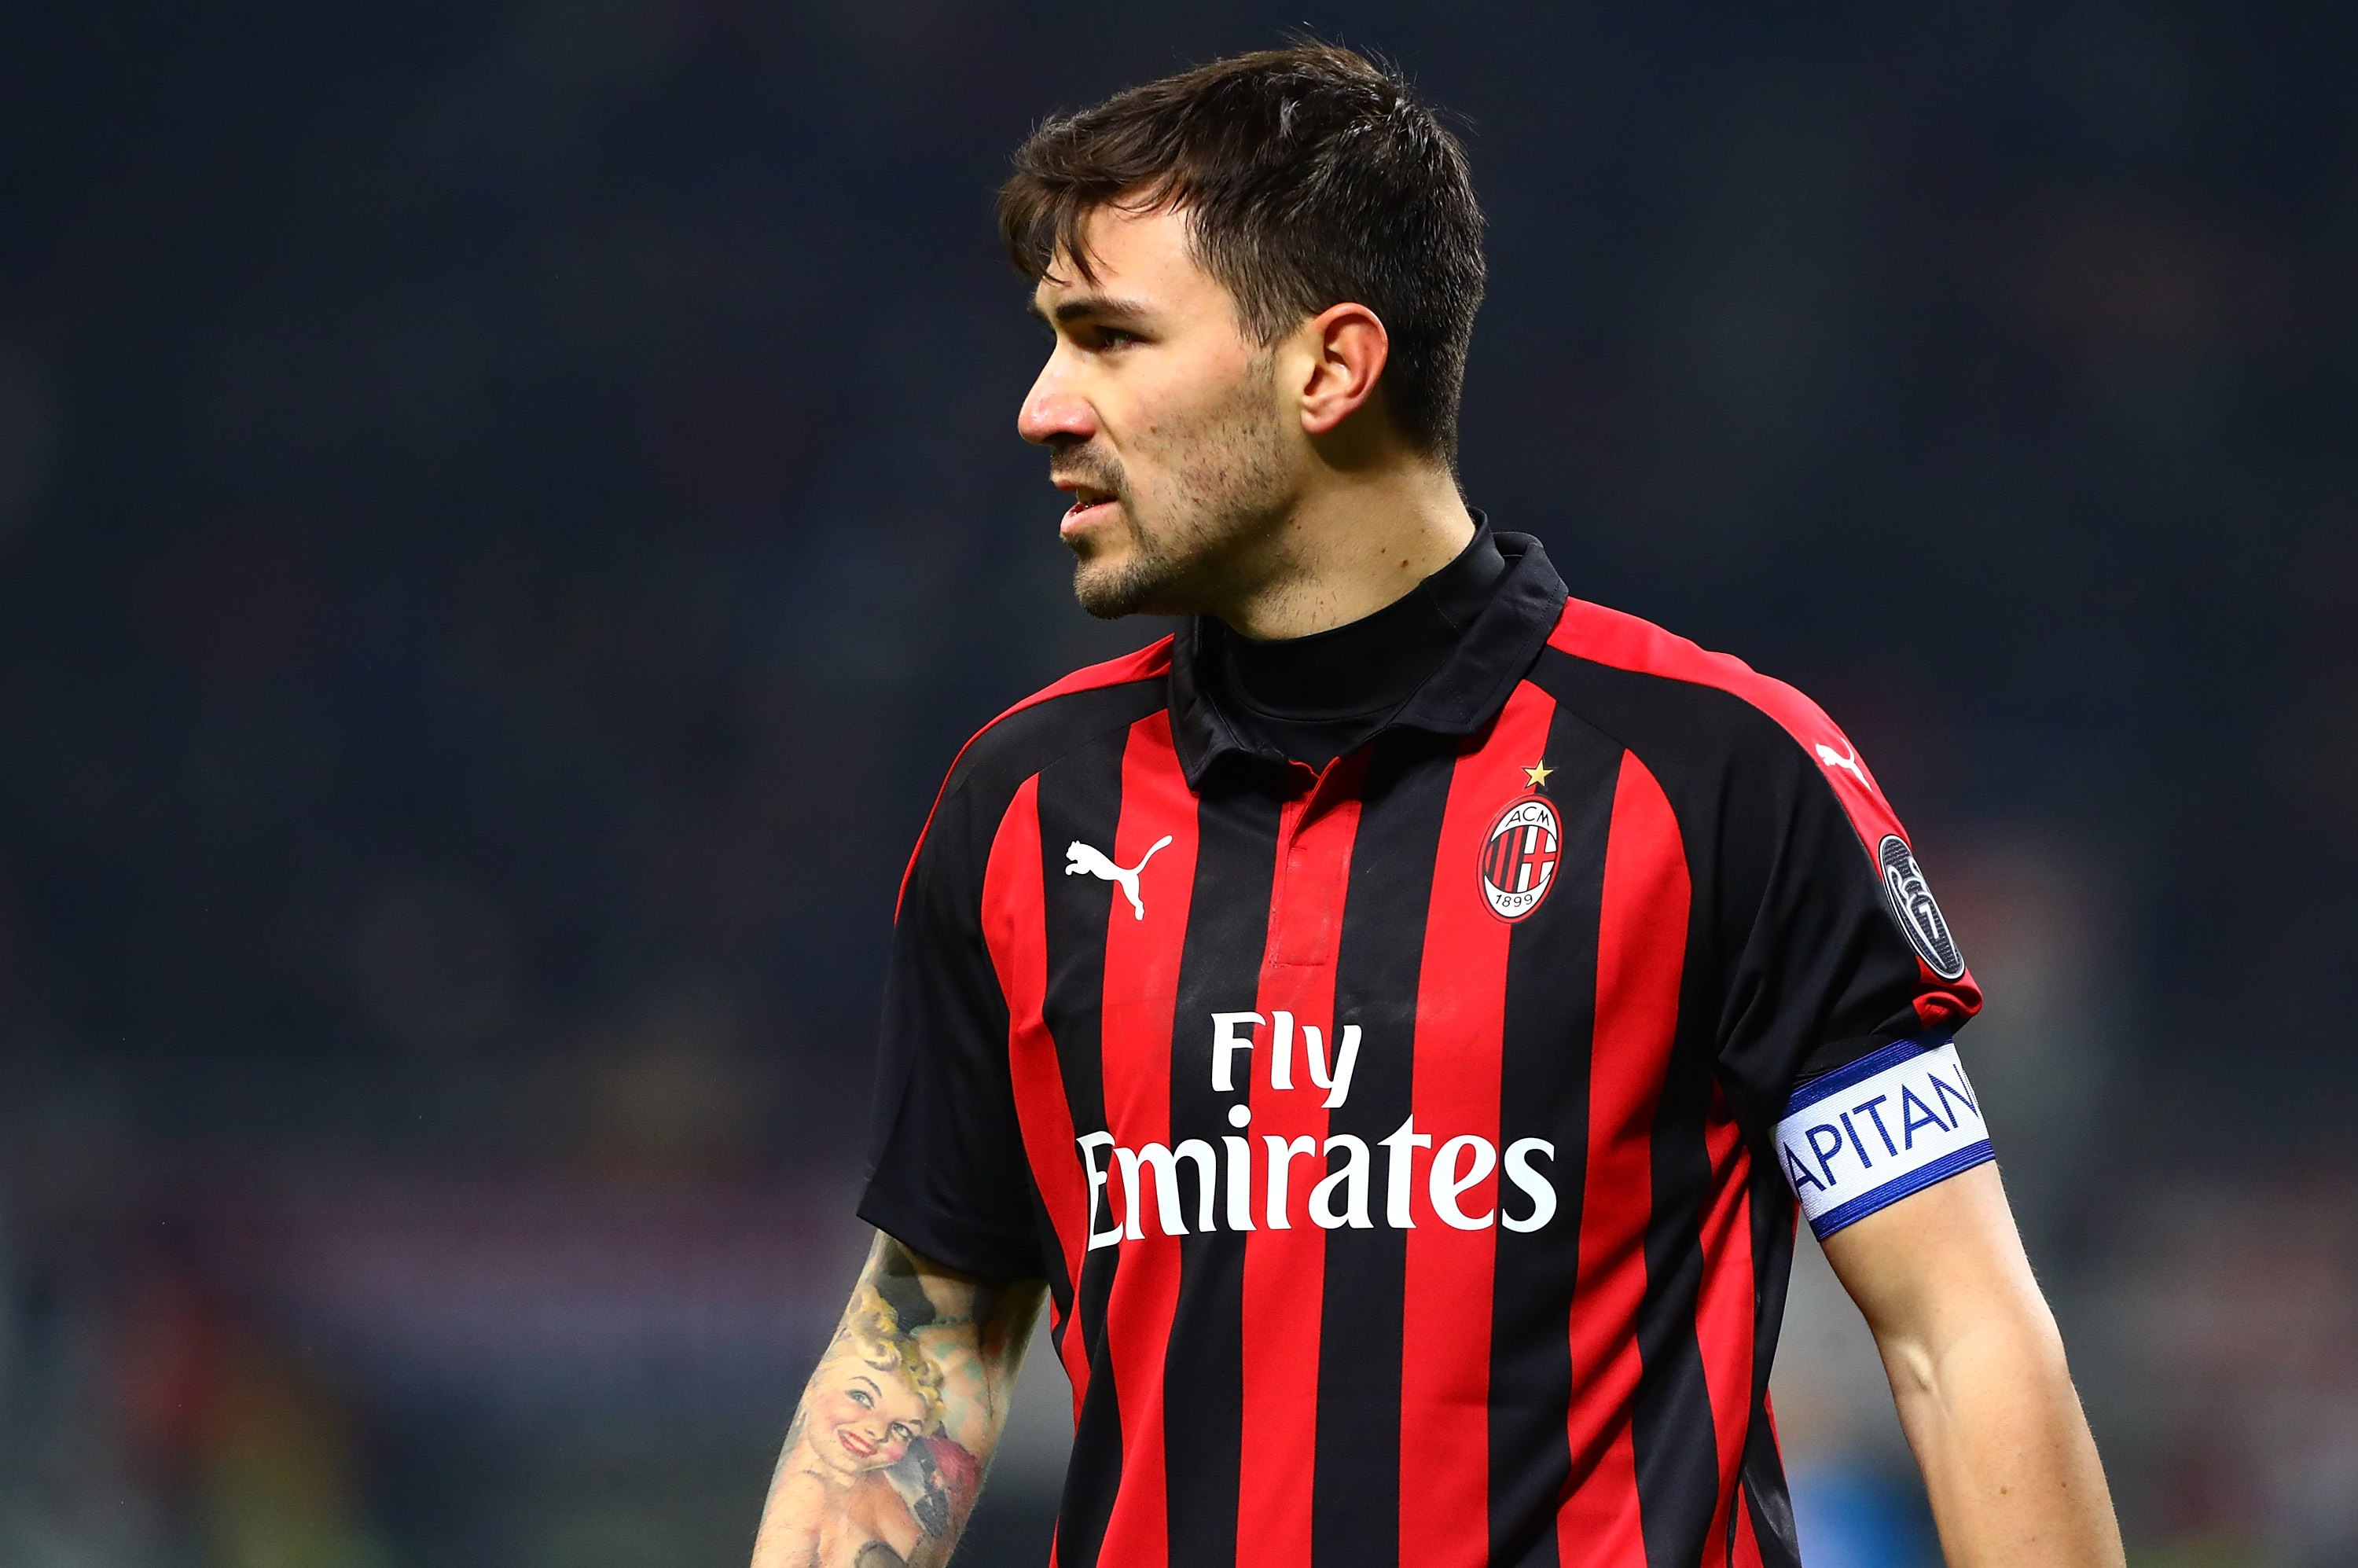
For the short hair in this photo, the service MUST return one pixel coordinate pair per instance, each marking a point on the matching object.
(1310, 177)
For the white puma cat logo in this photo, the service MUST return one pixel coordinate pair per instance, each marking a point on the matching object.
(1834, 758)
(1080, 857)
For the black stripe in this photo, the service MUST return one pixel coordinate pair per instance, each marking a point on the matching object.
(1764, 1490)
(1227, 927)
(1675, 1445)
(1080, 798)
(1724, 767)
(1676, 1448)
(1551, 1012)
(1765, 1496)
(1355, 1506)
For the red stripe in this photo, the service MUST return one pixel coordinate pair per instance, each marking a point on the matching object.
(1610, 637)
(1146, 664)
(1444, 1497)
(1015, 928)
(1285, 1270)
(1640, 955)
(1724, 1307)
(1747, 1545)
(1141, 991)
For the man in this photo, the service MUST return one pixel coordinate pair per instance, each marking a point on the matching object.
(1396, 1020)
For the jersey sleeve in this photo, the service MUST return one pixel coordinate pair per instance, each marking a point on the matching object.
(1847, 985)
(946, 1172)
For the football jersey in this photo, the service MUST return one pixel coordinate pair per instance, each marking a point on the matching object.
(1411, 1147)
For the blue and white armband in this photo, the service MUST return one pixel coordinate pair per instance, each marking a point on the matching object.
(1864, 1136)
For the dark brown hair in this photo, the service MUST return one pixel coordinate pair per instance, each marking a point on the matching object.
(1310, 177)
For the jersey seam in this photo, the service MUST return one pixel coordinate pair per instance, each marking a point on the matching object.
(1787, 735)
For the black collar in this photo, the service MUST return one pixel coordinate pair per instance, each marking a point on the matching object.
(1495, 652)
(1354, 675)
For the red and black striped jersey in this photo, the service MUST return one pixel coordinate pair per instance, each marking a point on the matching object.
(1400, 1141)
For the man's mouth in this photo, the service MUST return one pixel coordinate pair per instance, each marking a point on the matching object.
(1090, 505)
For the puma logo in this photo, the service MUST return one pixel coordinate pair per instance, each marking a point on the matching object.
(1079, 858)
(1834, 758)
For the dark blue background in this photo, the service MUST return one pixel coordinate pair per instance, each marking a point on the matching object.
(506, 511)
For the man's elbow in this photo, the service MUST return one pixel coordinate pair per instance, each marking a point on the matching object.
(1943, 1283)
(2009, 1335)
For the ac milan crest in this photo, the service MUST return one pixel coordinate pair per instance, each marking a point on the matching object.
(1518, 859)
(1913, 906)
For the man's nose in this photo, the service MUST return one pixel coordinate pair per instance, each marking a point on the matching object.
(1053, 414)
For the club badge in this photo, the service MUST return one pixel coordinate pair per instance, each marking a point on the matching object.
(1918, 915)
(1518, 858)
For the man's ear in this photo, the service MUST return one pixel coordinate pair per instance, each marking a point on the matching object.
(1345, 349)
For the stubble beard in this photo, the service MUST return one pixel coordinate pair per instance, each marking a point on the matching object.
(1228, 491)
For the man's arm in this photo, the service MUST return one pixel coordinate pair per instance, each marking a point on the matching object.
(899, 1420)
(1976, 1367)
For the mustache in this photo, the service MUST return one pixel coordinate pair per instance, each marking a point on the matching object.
(1087, 467)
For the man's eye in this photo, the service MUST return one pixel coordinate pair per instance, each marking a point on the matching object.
(1113, 337)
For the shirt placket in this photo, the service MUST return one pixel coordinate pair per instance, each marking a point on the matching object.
(1311, 878)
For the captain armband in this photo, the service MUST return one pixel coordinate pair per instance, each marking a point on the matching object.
(1864, 1136)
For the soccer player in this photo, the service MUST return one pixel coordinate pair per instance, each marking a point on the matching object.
(1397, 1020)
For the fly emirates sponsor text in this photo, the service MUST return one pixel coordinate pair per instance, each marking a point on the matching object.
(1276, 1183)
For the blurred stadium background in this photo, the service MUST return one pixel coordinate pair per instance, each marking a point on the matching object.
(507, 509)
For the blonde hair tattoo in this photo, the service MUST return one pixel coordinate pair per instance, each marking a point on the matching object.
(873, 1323)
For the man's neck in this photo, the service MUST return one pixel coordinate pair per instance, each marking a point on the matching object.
(1350, 547)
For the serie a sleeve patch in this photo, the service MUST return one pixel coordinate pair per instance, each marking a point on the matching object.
(1864, 1136)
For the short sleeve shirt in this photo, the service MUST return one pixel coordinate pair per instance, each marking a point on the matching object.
(1412, 1146)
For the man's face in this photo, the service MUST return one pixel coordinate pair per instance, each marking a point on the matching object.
(1163, 422)
(865, 1412)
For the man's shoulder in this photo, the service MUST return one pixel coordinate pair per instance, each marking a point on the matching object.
(1667, 697)
(1150, 663)
(1094, 700)
(1089, 704)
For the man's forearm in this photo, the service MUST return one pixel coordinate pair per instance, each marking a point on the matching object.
(887, 1451)
(1977, 1369)
(2005, 1453)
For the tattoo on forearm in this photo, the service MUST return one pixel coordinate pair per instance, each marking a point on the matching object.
(886, 1454)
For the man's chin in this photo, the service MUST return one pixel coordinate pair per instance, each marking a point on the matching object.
(1110, 590)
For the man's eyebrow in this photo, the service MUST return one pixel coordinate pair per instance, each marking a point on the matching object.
(1090, 308)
